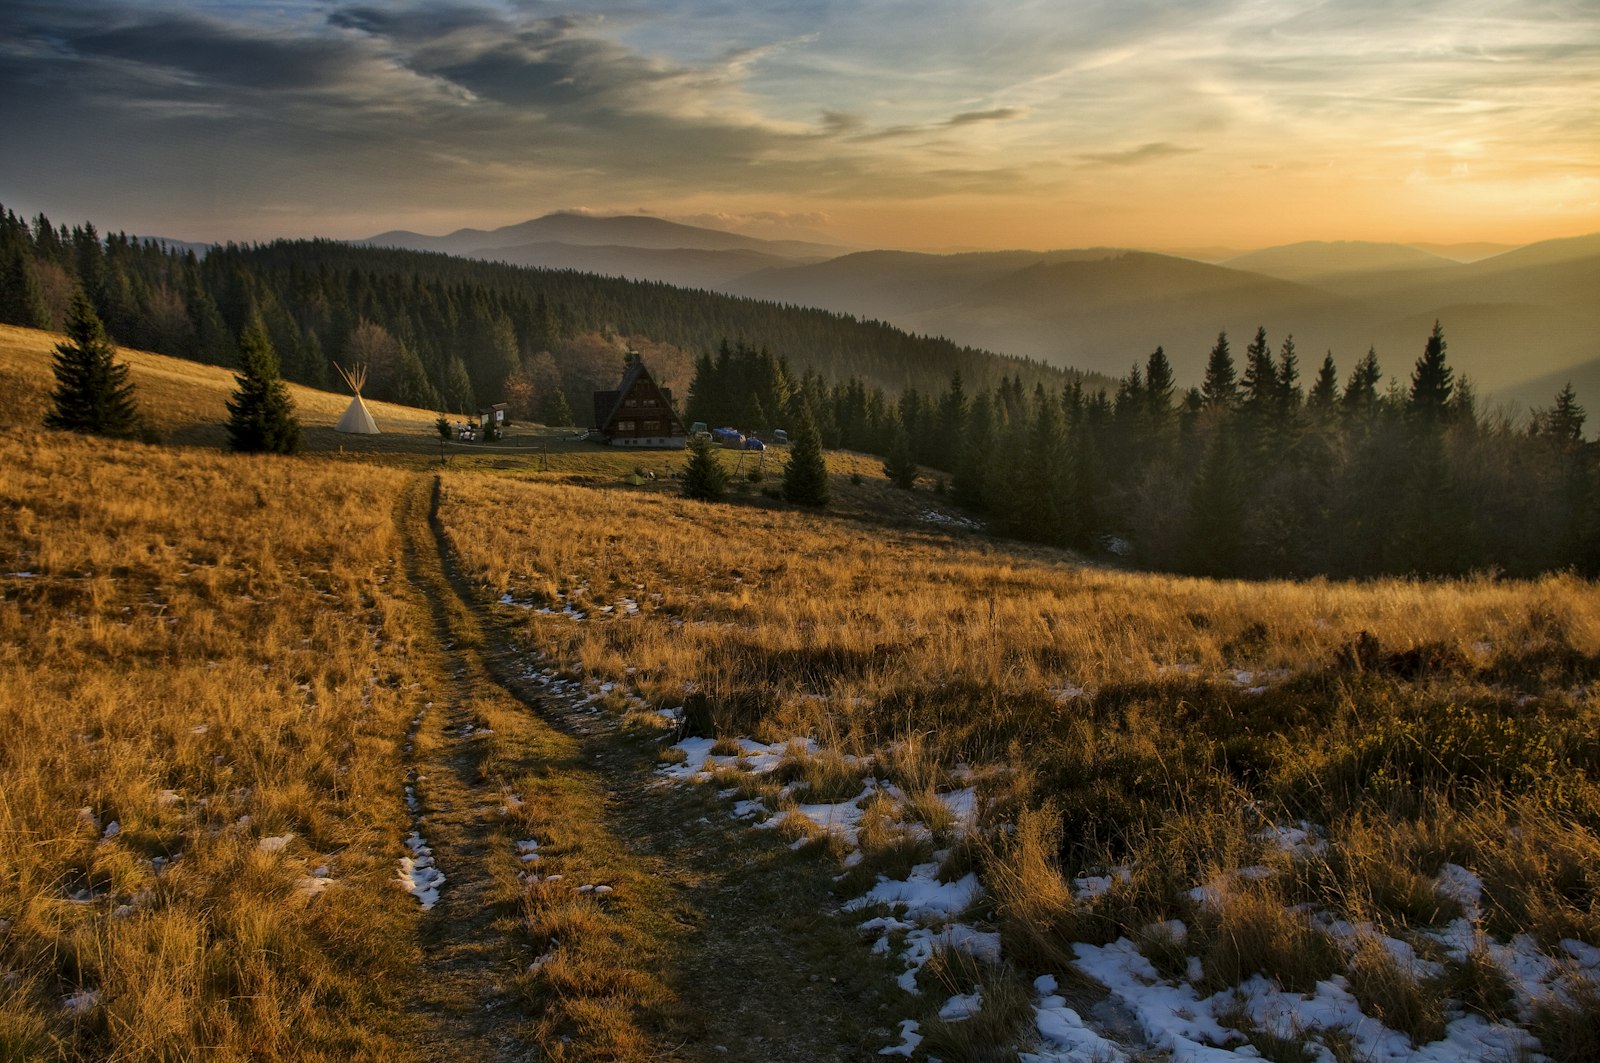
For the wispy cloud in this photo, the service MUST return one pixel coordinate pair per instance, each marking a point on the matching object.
(1142, 154)
(500, 108)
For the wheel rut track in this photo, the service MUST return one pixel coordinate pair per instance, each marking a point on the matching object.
(738, 928)
(460, 1000)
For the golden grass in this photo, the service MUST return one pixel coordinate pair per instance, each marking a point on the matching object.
(1113, 719)
(204, 652)
(183, 399)
(204, 638)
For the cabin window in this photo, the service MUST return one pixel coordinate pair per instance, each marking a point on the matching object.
(649, 402)
(630, 403)
(652, 426)
(625, 426)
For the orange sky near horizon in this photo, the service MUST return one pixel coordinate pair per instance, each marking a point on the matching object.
(933, 125)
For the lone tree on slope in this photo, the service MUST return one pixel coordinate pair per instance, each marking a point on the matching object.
(805, 476)
(704, 478)
(261, 417)
(92, 392)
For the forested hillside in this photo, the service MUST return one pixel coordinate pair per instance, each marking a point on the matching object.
(441, 332)
(1259, 472)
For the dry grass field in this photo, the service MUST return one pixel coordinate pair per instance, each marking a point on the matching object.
(205, 683)
(1164, 732)
(210, 668)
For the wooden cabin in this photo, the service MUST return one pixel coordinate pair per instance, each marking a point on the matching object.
(638, 413)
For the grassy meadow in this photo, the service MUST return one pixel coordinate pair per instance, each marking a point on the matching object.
(206, 682)
(1161, 731)
(209, 667)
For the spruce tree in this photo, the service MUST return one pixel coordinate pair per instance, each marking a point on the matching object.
(1562, 423)
(1216, 509)
(1325, 392)
(901, 467)
(1361, 390)
(92, 392)
(555, 410)
(704, 478)
(1430, 382)
(970, 487)
(1221, 387)
(21, 302)
(261, 417)
(1158, 388)
(1260, 386)
(805, 475)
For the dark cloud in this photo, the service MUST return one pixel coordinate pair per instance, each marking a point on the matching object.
(1142, 154)
(999, 114)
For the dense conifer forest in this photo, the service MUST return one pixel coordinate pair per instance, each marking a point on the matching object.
(1356, 471)
(1252, 474)
(440, 332)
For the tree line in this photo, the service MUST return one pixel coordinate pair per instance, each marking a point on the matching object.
(435, 331)
(1253, 473)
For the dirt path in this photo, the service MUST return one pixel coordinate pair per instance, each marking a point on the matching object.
(707, 942)
(461, 995)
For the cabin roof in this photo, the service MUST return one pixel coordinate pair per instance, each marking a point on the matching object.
(630, 377)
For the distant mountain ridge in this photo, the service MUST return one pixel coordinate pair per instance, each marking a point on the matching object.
(1510, 319)
(588, 230)
(1513, 316)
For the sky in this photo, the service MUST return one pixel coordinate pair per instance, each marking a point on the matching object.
(923, 124)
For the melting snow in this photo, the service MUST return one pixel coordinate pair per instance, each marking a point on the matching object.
(418, 873)
(909, 1040)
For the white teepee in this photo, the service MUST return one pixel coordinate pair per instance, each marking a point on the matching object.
(356, 420)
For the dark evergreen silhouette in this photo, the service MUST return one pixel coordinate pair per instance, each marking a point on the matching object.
(805, 475)
(92, 392)
(900, 467)
(1216, 510)
(1431, 382)
(21, 302)
(554, 409)
(1361, 390)
(1325, 392)
(261, 415)
(1221, 387)
(704, 478)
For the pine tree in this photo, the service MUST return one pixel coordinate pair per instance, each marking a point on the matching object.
(92, 392)
(1085, 487)
(21, 302)
(952, 425)
(1216, 510)
(1562, 423)
(1430, 382)
(970, 486)
(1325, 392)
(1158, 388)
(1290, 396)
(261, 417)
(1221, 387)
(555, 410)
(1260, 386)
(704, 478)
(805, 475)
(1361, 390)
(901, 467)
